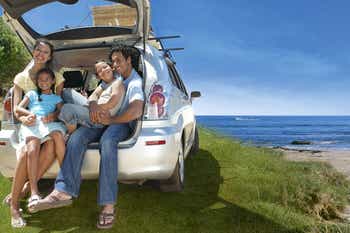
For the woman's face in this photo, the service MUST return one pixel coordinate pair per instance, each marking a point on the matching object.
(45, 81)
(104, 71)
(42, 53)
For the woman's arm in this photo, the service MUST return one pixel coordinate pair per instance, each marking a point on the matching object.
(21, 107)
(118, 91)
(17, 97)
(26, 117)
(59, 89)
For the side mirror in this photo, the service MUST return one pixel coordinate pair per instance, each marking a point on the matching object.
(195, 94)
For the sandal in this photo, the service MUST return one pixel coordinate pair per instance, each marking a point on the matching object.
(7, 200)
(18, 222)
(105, 220)
(49, 202)
(33, 200)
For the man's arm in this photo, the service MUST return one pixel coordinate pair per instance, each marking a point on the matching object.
(133, 112)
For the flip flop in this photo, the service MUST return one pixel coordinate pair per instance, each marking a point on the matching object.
(105, 220)
(49, 202)
(7, 200)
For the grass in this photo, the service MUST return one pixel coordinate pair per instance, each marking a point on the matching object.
(229, 188)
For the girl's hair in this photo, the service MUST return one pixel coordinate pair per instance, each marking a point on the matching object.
(45, 71)
(46, 42)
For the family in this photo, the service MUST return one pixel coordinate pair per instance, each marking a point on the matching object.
(59, 123)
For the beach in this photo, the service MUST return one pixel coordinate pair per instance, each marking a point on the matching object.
(340, 160)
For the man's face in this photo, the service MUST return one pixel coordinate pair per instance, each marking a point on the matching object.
(121, 65)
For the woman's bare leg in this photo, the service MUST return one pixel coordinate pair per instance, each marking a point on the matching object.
(33, 150)
(18, 181)
(60, 145)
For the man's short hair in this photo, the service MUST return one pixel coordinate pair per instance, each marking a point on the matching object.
(127, 51)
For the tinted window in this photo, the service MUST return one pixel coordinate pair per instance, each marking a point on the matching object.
(176, 80)
(56, 16)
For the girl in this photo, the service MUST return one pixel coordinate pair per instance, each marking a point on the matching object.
(107, 97)
(40, 104)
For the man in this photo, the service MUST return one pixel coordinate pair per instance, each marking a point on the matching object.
(68, 181)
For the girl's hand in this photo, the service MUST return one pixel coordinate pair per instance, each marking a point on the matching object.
(105, 118)
(95, 109)
(28, 120)
(49, 118)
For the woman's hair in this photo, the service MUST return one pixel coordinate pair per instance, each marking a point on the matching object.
(46, 42)
(45, 71)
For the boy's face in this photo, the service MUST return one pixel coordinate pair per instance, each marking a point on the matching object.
(45, 81)
(121, 65)
(104, 71)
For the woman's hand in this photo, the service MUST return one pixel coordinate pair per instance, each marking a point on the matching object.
(49, 118)
(28, 120)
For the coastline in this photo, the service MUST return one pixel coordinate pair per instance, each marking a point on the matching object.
(338, 159)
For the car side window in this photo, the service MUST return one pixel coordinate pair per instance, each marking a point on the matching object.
(176, 80)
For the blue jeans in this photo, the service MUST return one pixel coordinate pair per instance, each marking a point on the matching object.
(69, 179)
(74, 114)
(71, 96)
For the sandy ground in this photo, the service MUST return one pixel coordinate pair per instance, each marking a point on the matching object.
(340, 160)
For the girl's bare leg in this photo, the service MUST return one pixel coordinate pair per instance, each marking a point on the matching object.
(46, 159)
(33, 150)
(60, 145)
(18, 181)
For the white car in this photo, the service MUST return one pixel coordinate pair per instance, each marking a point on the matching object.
(166, 133)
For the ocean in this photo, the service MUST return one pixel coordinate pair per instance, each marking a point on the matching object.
(322, 132)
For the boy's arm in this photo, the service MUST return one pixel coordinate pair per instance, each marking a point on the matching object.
(118, 91)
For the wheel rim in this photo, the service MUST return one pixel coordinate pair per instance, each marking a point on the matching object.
(181, 165)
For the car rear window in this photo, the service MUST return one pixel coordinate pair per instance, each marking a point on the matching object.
(58, 17)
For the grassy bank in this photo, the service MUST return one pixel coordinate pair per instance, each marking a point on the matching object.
(229, 188)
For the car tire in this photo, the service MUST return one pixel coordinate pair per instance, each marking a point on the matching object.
(195, 146)
(176, 181)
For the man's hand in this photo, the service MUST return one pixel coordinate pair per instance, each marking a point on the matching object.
(104, 117)
(49, 118)
(94, 112)
(28, 120)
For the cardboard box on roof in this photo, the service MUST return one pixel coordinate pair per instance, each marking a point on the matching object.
(114, 15)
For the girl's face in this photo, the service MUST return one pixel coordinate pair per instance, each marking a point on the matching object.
(42, 53)
(45, 81)
(104, 72)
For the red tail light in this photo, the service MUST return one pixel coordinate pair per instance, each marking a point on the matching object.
(8, 105)
(154, 143)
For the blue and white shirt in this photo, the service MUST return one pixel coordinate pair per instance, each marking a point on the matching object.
(45, 106)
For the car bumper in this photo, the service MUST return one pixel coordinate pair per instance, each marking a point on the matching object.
(137, 162)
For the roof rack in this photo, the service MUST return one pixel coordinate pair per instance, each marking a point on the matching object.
(167, 51)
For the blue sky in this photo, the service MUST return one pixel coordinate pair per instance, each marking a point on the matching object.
(261, 57)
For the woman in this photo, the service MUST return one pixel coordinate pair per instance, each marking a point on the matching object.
(23, 83)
